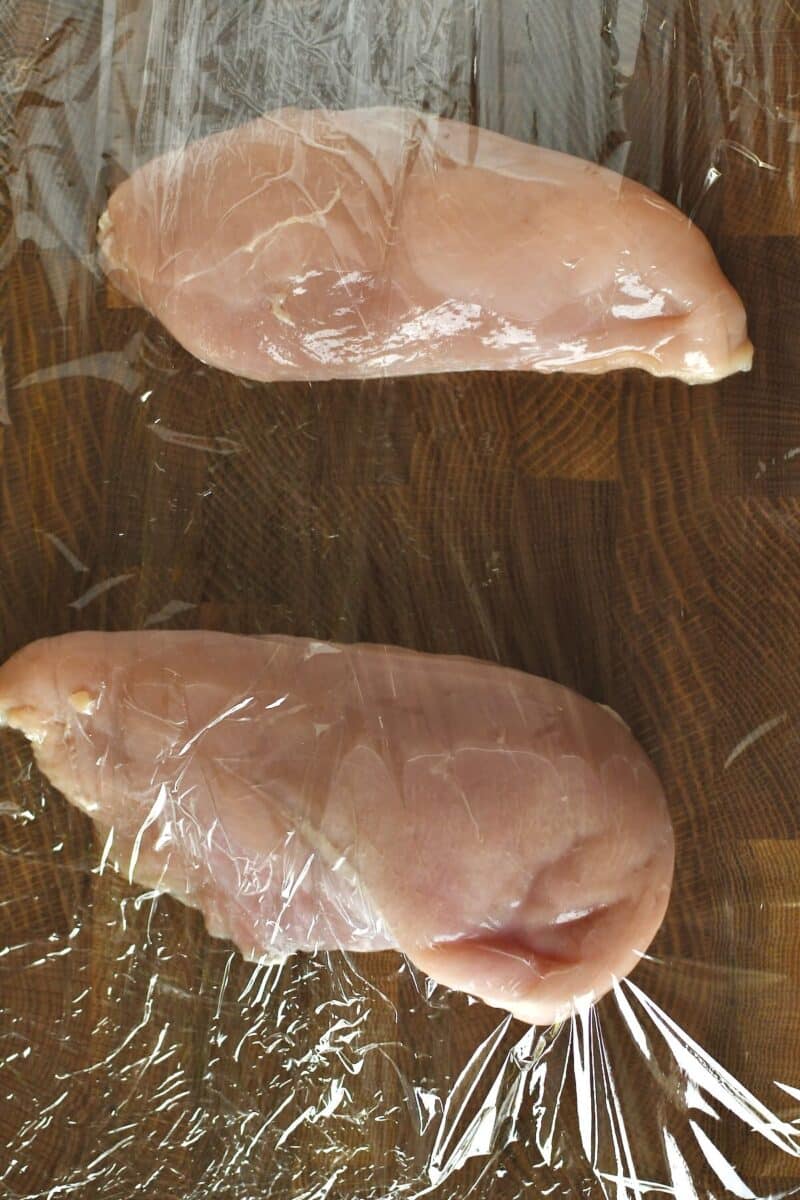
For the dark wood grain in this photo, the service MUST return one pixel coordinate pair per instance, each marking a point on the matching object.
(633, 539)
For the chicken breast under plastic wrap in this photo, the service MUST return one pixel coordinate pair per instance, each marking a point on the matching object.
(509, 836)
(321, 244)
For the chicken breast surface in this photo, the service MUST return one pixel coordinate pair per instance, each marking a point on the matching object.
(345, 245)
(507, 835)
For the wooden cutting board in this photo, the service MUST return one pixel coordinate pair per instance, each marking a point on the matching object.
(630, 538)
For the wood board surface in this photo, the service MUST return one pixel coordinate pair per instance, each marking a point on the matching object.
(631, 538)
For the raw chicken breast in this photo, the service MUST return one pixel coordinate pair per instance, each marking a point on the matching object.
(507, 835)
(345, 245)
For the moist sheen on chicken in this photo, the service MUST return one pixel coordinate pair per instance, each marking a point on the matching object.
(321, 244)
(509, 836)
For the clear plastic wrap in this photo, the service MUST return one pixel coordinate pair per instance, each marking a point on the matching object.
(631, 538)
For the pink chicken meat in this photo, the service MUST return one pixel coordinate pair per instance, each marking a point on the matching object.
(507, 835)
(346, 245)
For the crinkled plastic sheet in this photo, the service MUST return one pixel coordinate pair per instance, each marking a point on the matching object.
(140, 1057)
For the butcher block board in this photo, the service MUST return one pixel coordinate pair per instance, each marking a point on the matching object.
(631, 538)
